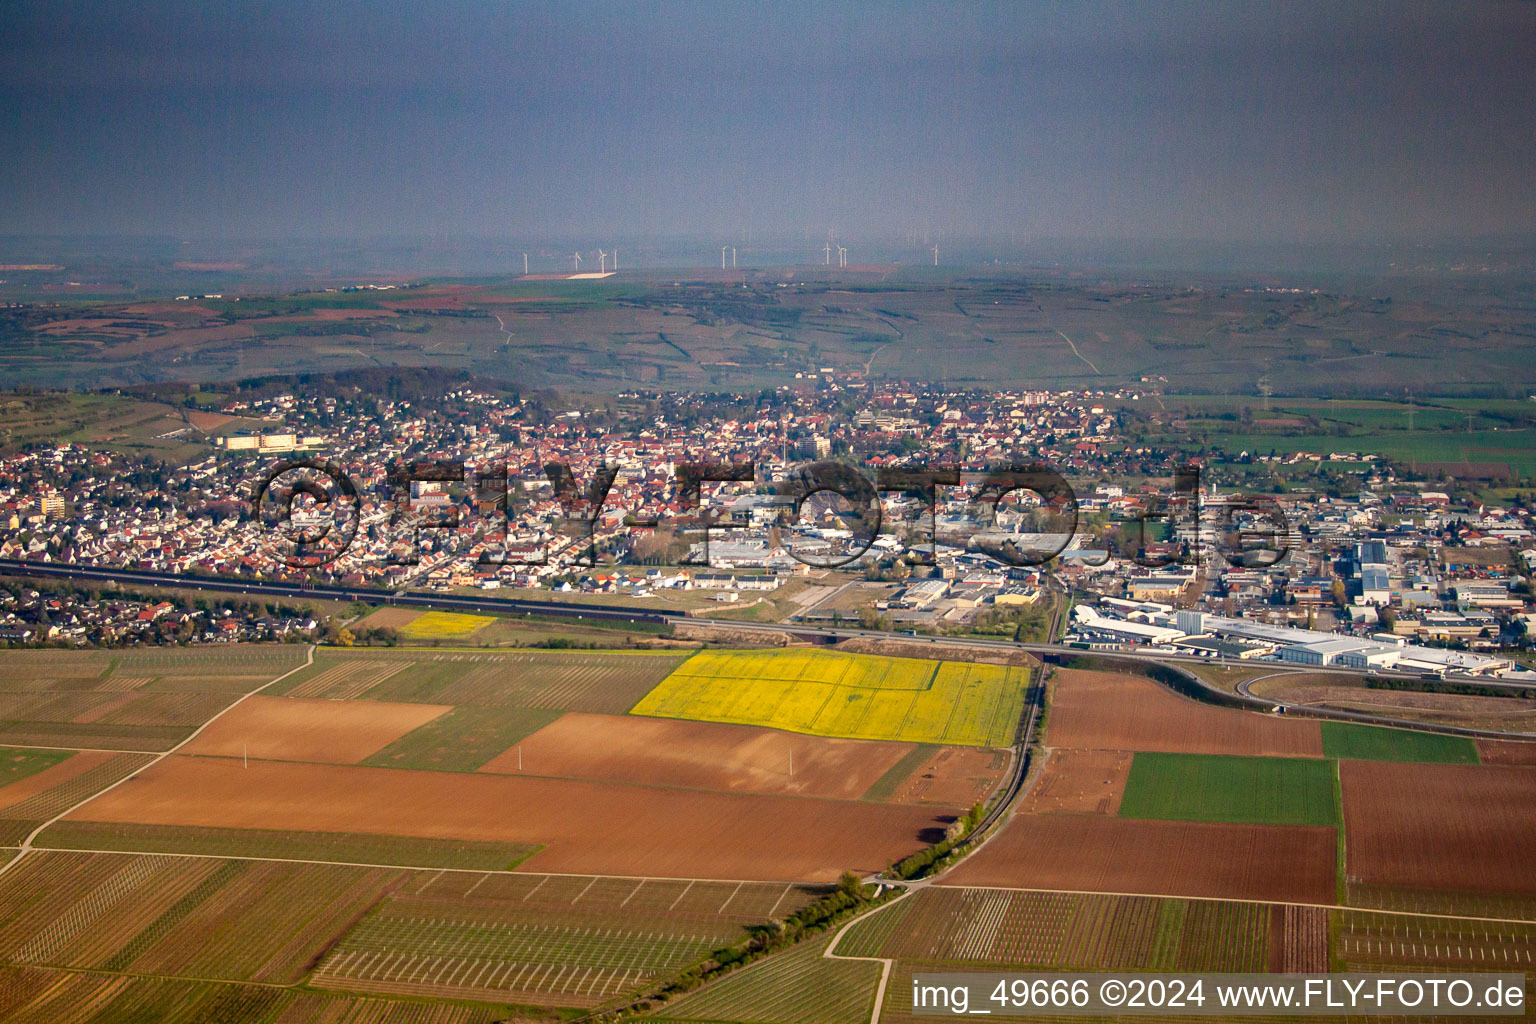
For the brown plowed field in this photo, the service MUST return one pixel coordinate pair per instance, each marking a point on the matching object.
(54, 775)
(295, 729)
(1081, 782)
(393, 617)
(588, 827)
(1506, 752)
(1450, 826)
(1174, 858)
(954, 776)
(700, 755)
(1110, 711)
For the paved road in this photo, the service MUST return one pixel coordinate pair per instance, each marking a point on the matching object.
(1371, 718)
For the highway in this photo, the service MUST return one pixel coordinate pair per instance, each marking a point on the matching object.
(517, 606)
(268, 588)
(621, 613)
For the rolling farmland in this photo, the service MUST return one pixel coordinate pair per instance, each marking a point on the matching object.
(1506, 752)
(384, 843)
(583, 827)
(50, 792)
(852, 696)
(133, 700)
(492, 938)
(546, 963)
(1391, 942)
(1081, 782)
(960, 929)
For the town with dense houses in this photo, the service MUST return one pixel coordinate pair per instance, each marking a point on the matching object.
(1372, 569)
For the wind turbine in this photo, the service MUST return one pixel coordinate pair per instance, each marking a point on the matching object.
(602, 261)
(615, 259)
(828, 251)
(525, 264)
(577, 257)
(733, 257)
(935, 255)
(842, 256)
(722, 256)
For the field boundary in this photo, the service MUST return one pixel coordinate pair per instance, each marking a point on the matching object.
(26, 844)
(426, 867)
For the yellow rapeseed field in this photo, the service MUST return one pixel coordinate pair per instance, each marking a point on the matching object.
(444, 625)
(852, 696)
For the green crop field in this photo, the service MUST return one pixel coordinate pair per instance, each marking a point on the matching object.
(1349, 741)
(853, 696)
(1219, 787)
(463, 739)
(18, 764)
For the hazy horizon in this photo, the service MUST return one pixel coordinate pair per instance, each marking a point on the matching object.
(1087, 121)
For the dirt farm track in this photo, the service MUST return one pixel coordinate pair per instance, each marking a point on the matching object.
(586, 827)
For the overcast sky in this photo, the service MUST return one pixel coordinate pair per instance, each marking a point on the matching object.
(1230, 121)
